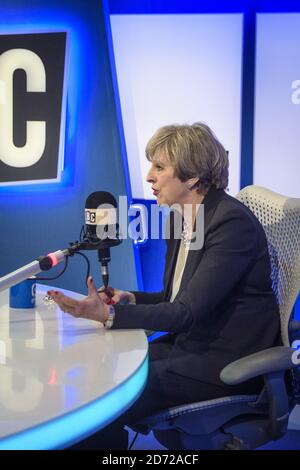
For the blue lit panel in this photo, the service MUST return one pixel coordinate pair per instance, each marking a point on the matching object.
(178, 68)
(55, 20)
(277, 103)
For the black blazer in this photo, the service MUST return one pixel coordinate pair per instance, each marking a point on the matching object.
(225, 307)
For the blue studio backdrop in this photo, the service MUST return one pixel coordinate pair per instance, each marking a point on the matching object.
(40, 218)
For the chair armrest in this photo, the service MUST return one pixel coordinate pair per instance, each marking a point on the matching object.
(263, 362)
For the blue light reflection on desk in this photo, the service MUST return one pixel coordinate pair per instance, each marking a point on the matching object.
(71, 393)
(72, 427)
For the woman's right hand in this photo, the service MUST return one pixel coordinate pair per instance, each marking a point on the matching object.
(110, 295)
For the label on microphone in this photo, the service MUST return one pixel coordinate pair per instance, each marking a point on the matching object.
(103, 215)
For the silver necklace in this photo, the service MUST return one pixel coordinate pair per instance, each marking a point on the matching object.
(186, 235)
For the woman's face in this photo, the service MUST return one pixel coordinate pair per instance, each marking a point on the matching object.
(167, 187)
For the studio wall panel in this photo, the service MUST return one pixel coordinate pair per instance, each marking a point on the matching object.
(277, 103)
(178, 69)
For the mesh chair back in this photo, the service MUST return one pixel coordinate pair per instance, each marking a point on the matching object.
(280, 218)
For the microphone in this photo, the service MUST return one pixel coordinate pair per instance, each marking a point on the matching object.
(42, 263)
(101, 228)
(101, 233)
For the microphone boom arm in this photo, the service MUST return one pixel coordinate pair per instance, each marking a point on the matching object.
(43, 263)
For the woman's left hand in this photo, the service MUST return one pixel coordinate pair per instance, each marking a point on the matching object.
(92, 307)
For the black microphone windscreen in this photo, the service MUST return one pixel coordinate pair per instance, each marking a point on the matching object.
(101, 226)
(98, 198)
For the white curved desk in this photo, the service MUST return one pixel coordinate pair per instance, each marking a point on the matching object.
(62, 378)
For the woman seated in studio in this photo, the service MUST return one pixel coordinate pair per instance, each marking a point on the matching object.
(217, 304)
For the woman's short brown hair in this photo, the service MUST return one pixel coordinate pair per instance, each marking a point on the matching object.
(193, 151)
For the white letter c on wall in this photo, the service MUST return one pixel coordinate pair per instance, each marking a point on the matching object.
(33, 66)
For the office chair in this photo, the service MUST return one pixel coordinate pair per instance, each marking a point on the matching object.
(250, 421)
